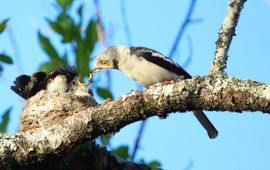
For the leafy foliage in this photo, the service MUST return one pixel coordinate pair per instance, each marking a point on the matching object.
(47, 46)
(154, 164)
(6, 59)
(84, 48)
(3, 57)
(121, 151)
(5, 120)
(64, 4)
(104, 93)
(55, 60)
(81, 41)
(3, 25)
(105, 139)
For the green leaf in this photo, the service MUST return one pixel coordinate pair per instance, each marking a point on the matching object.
(65, 58)
(6, 59)
(91, 35)
(64, 4)
(3, 25)
(80, 14)
(66, 28)
(46, 67)
(154, 164)
(104, 93)
(56, 27)
(5, 120)
(80, 11)
(1, 69)
(53, 65)
(47, 46)
(82, 58)
(121, 151)
(105, 139)
(85, 47)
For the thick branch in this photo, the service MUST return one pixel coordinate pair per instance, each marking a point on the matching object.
(226, 33)
(83, 157)
(56, 123)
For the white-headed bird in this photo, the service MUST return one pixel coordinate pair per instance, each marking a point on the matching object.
(147, 67)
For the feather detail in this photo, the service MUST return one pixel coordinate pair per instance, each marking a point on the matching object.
(159, 59)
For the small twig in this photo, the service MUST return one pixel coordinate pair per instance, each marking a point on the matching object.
(16, 50)
(226, 33)
(138, 139)
(182, 28)
(190, 53)
(125, 22)
(189, 166)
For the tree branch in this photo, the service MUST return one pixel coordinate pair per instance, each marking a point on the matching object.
(83, 157)
(226, 33)
(56, 123)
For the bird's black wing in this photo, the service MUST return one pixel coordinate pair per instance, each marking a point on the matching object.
(69, 71)
(27, 86)
(159, 59)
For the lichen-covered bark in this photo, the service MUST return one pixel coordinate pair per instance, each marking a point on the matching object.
(55, 130)
(226, 33)
(65, 121)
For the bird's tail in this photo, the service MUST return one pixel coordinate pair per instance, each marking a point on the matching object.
(205, 122)
(27, 86)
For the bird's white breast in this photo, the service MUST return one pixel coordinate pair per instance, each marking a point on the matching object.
(145, 72)
(58, 84)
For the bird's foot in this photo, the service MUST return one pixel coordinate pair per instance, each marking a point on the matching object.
(167, 82)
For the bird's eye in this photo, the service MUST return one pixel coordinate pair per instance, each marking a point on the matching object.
(105, 62)
(73, 82)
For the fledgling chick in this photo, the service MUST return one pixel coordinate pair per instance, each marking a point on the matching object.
(64, 79)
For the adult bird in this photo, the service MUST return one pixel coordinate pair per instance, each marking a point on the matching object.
(147, 67)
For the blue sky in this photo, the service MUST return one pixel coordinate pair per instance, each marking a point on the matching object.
(243, 141)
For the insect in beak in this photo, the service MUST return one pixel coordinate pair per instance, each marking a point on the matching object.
(95, 70)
